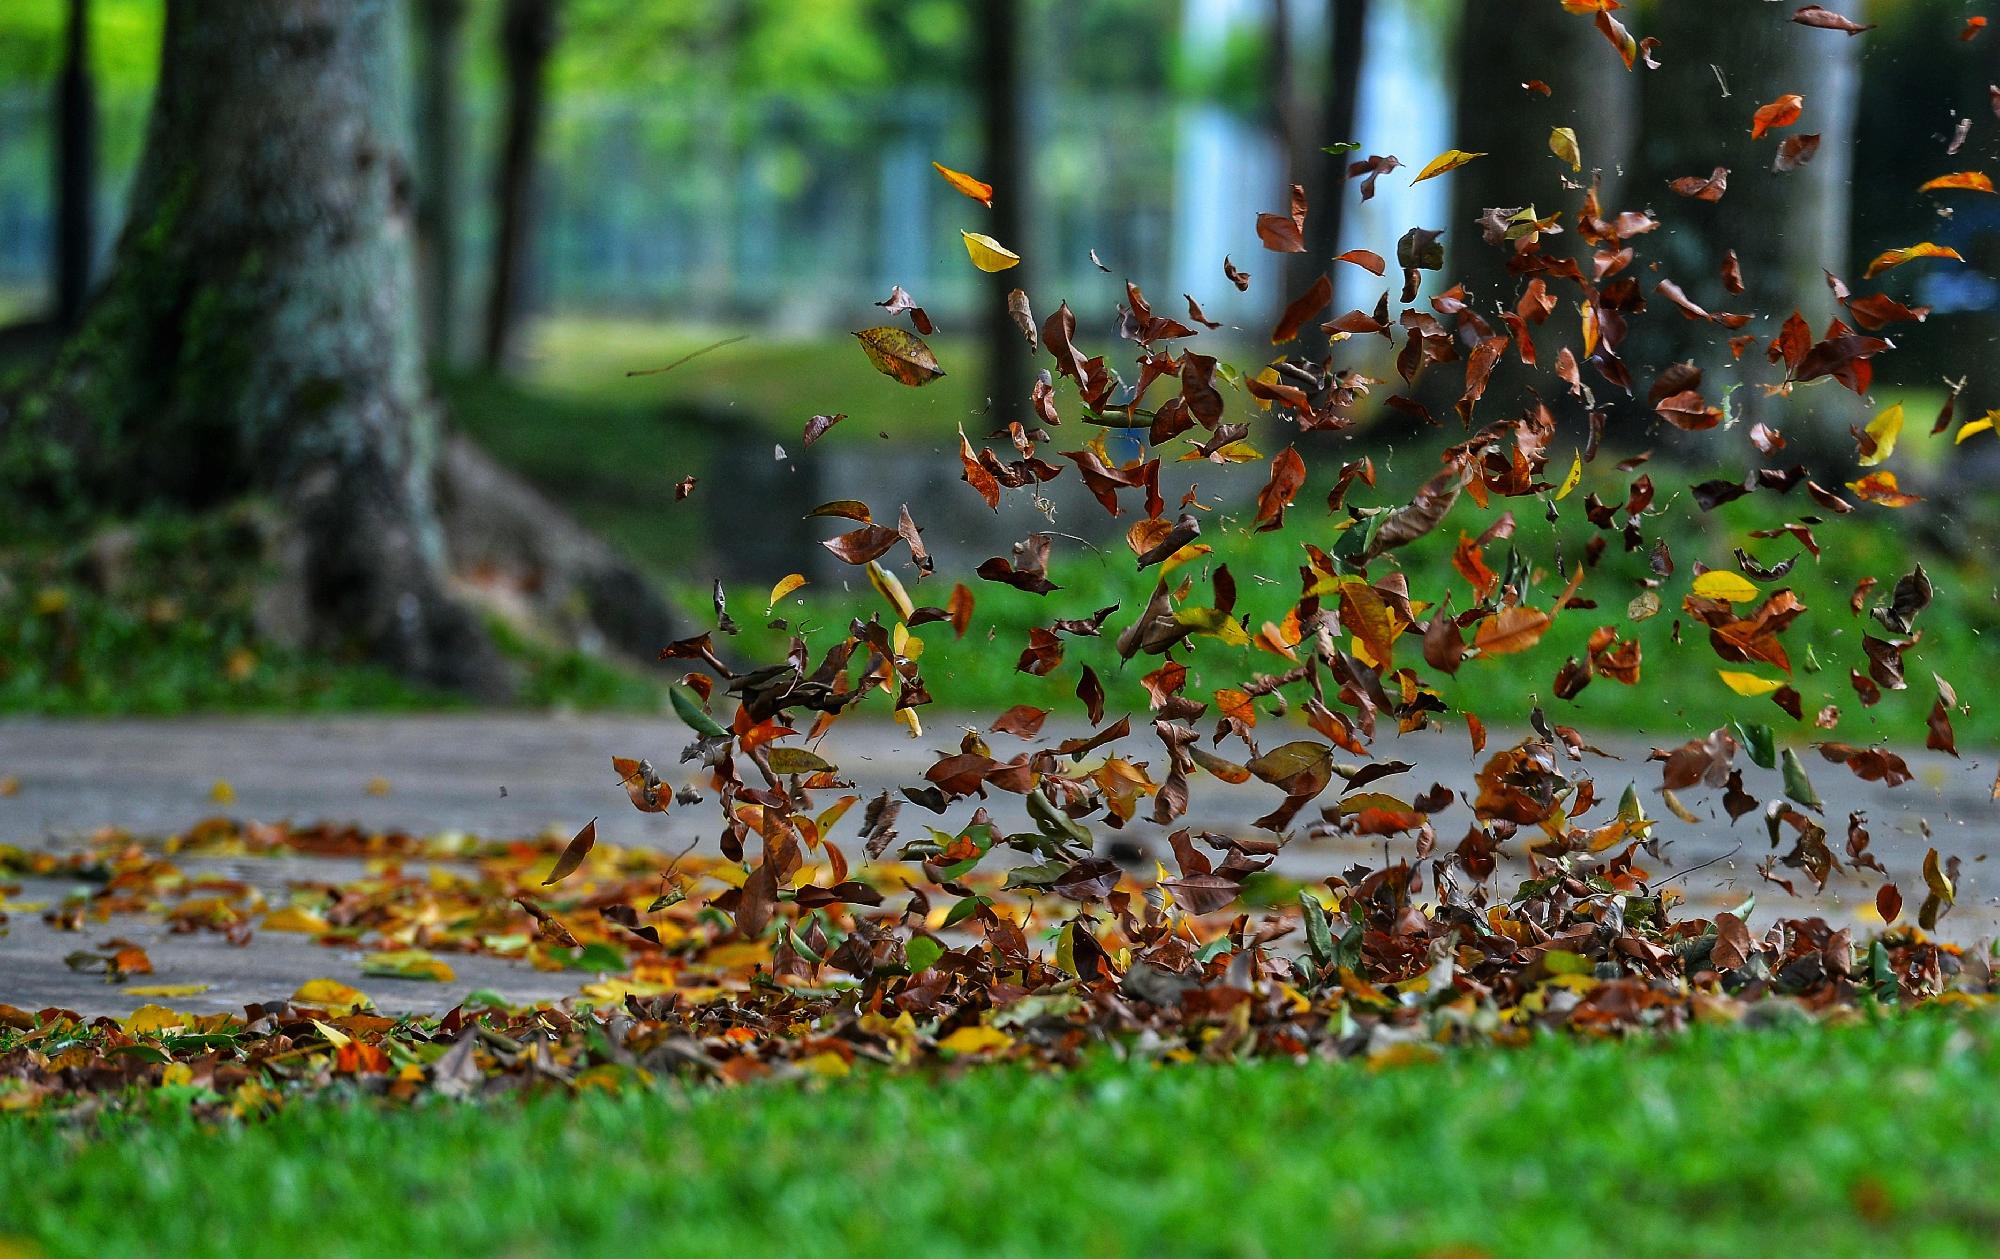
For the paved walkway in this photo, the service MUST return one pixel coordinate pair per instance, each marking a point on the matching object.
(511, 775)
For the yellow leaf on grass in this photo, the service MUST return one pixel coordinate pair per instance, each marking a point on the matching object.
(167, 990)
(976, 1040)
(153, 1018)
(1562, 143)
(989, 254)
(334, 1036)
(1747, 683)
(1449, 160)
(296, 918)
(1720, 583)
(1909, 253)
(786, 584)
(331, 994)
(978, 189)
(1969, 180)
(1984, 424)
(1884, 429)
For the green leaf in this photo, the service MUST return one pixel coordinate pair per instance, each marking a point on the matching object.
(691, 711)
(596, 956)
(964, 909)
(920, 953)
(1761, 743)
(1319, 928)
(1797, 785)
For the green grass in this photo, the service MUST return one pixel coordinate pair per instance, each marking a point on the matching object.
(1863, 1140)
(170, 626)
(611, 449)
(1679, 691)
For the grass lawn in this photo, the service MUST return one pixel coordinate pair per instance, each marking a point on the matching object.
(606, 446)
(1860, 1140)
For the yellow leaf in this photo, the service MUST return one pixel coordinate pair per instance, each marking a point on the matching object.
(1983, 424)
(1909, 253)
(407, 964)
(974, 1040)
(1937, 880)
(1574, 476)
(826, 1063)
(296, 918)
(786, 584)
(153, 1018)
(167, 990)
(989, 254)
(1450, 159)
(334, 1036)
(978, 189)
(222, 792)
(1562, 143)
(1885, 429)
(1969, 180)
(1747, 683)
(331, 994)
(1720, 583)
(890, 587)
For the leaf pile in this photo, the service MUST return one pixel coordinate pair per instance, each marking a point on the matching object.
(878, 975)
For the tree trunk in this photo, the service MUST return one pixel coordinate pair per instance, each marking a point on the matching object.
(1008, 361)
(76, 170)
(1501, 45)
(257, 332)
(440, 148)
(1784, 227)
(527, 36)
(1325, 174)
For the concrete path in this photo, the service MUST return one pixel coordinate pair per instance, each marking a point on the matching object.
(510, 775)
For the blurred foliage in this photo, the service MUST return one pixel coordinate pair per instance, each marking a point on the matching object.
(125, 41)
(160, 616)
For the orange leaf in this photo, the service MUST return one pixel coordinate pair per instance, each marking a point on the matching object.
(1909, 253)
(1366, 259)
(978, 190)
(1881, 489)
(1782, 112)
(1511, 630)
(1970, 180)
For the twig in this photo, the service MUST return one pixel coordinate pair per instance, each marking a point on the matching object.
(656, 371)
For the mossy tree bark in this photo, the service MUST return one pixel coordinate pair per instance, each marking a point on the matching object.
(258, 331)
